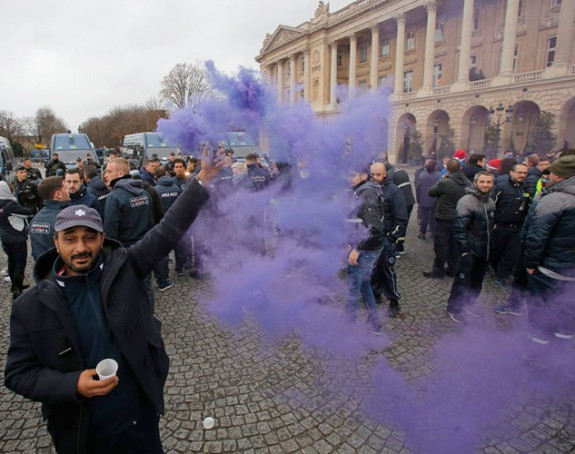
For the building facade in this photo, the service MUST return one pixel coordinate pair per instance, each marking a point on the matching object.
(476, 73)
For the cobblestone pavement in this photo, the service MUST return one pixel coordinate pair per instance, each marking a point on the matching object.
(280, 397)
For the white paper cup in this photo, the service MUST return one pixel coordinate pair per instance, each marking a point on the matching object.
(107, 368)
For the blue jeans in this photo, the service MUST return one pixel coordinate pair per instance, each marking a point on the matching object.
(359, 282)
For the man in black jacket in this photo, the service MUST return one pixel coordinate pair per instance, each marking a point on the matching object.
(394, 223)
(89, 304)
(448, 191)
(511, 205)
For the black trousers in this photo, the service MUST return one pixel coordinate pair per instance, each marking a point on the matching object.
(444, 246)
(383, 277)
(17, 254)
(504, 250)
(426, 217)
(469, 273)
(519, 293)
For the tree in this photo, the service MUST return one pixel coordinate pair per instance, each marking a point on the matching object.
(415, 150)
(47, 123)
(10, 126)
(446, 144)
(541, 140)
(185, 85)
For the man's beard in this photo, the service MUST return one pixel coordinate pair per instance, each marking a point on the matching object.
(84, 268)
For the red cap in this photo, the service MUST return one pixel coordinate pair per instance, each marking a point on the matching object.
(494, 164)
(460, 154)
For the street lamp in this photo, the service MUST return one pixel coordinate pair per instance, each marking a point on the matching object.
(435, 129)
(498, 113)
(472, 122)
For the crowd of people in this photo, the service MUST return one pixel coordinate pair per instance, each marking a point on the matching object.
(97, 233)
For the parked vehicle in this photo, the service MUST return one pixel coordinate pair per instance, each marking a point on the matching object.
(39, 155)
(70, 147)
(241, 143)
(147, 145)
(7, 160)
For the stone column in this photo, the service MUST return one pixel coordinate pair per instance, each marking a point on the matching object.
(565, 34)
(373, 74)
(509, 37)
(280, 80)
(352, 62)
(399, 54)
(429, 46)
(292, 80)
(306, 73)
(333, 75)
(465, 46)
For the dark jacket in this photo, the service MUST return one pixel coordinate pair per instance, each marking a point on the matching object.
(533, 175)
(260, 177)
(424, 183)
(14, 221)
(470, 170)
(448, 191)
(26, 192)
(98, 189)
(511, 204)
(128, 211)
(53, 166)
(369, 215)
(473, 227)
(549, 230)
(83, 197)
(44, 360)
(42, 227)
(400, 178)
(147, 176)
(168, 191)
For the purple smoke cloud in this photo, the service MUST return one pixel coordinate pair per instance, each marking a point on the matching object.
(274, 257)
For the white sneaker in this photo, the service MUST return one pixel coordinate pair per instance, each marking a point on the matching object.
(7, 279)
(4, 272)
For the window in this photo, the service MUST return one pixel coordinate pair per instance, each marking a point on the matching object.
(410, 40)
(476, 19)
(555, 3)
(362, 85)
(363, 52)
(551, 45)
(339, 58)
(408, 81)
(383, 81)
(384, 47)
(521, 8)
(439, 32)
(437, 75)
(302, 63)
(515, 54)
(473, 61)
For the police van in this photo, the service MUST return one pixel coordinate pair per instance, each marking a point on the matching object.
(70, 147)
(148, 145)
(7, 160)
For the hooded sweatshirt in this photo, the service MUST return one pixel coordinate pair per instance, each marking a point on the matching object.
(128, 211)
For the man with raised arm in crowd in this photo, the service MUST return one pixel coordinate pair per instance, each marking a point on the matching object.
(89, 304)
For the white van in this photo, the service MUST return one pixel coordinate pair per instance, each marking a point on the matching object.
(147, 145)
(70, 147)
(7, 160)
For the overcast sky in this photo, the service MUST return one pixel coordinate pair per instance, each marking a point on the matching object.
(84, 57)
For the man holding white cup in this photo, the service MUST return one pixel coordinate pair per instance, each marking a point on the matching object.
(90, 304)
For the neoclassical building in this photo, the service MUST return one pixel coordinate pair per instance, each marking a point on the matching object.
(478, 71)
